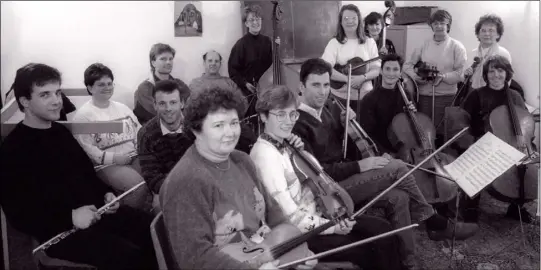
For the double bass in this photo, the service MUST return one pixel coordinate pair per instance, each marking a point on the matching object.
(418, 134)
(273, 75)
(515, 126)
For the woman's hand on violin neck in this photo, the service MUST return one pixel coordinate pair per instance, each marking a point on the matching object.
(372, 163)
(296, 141)
(344, 227)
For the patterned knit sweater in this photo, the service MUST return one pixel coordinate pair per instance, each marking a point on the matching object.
(208, 205)
(159, 153)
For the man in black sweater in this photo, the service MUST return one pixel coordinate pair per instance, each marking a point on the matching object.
(49, 185)
(322, 133)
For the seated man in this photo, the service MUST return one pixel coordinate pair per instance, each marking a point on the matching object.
(114, 152)
(212, 61)
(162, 140)
(48, 185)
(479, 104)
(67, 106)
(161, 64)
(213, 200)
(378, 109)
(322, 133)
(277, 107)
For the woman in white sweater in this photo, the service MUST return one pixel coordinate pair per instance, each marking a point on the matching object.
(350, 42)
(448, 56)
(115, 153)
(277, 107)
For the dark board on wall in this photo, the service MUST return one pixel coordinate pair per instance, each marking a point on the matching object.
(305, 27)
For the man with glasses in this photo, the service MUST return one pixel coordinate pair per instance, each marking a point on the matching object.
(250, 57)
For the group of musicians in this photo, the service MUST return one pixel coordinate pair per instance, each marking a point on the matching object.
(225, 186)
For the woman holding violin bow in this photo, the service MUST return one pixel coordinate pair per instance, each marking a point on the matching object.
(279, 159)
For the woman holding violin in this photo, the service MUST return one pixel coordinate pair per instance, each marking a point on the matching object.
(214, 205)
(351, 45)
(273, 155)
(437, 67)
(481, 105)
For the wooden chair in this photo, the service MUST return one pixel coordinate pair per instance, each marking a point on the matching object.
(164, 252)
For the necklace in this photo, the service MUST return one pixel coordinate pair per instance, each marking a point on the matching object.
(217, 165)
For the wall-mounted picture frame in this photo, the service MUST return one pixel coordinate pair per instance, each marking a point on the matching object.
(188, 19)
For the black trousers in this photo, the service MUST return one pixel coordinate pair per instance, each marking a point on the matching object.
(117, 241)
(380, 254)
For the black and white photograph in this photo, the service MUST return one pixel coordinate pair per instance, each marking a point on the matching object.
(292, 134)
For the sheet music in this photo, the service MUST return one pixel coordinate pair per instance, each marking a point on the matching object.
(482, 163)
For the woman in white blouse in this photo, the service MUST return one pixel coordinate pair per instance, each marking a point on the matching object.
(350, 42)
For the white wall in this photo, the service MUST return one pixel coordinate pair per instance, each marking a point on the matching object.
(521, 34)
(72, 35)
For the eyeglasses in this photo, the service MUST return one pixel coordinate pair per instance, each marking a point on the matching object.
(281, 116)
(354, 18)
(253, 20)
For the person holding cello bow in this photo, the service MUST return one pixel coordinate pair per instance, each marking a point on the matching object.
(251, 57)
(389, 121)
(273, 155)
(213, 202)
(352, 46)
(322, 134)
(487, 110)
(440, 61)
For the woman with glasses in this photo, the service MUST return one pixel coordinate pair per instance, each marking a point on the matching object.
(250, 57)
(489, 31)
(114, 153)
(448, 56)
(350, 42)
(213, 197)
(373, 26)
(277, 107)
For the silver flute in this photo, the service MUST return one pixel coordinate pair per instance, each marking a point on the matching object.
(100, 211)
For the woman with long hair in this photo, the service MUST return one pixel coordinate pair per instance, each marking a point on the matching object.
(350, 42)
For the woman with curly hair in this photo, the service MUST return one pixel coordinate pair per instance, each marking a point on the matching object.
(489, 31)
(213, 196)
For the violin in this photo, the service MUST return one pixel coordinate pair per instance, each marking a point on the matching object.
(329, 195)
(515, 126)
(364, 143)
(418, 134)
(358, 67)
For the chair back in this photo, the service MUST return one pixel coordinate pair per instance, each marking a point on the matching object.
(162, 247)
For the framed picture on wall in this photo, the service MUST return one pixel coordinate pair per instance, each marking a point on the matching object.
(188, 19)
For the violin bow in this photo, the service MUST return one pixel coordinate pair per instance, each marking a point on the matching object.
(348, 246)
(348, 99)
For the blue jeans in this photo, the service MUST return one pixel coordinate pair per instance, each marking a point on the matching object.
(403, 205)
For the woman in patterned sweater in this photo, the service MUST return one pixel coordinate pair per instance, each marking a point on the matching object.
(277, 107)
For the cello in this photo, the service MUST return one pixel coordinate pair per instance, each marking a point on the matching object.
(515, 126)
(418, 134)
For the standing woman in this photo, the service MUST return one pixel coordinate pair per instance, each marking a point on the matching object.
(448, 55)
(350, 41)
(489, 31)
(373, 26)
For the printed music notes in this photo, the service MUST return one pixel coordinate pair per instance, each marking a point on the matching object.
(482, 163)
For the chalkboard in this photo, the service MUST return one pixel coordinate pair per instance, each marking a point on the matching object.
(304, 28)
